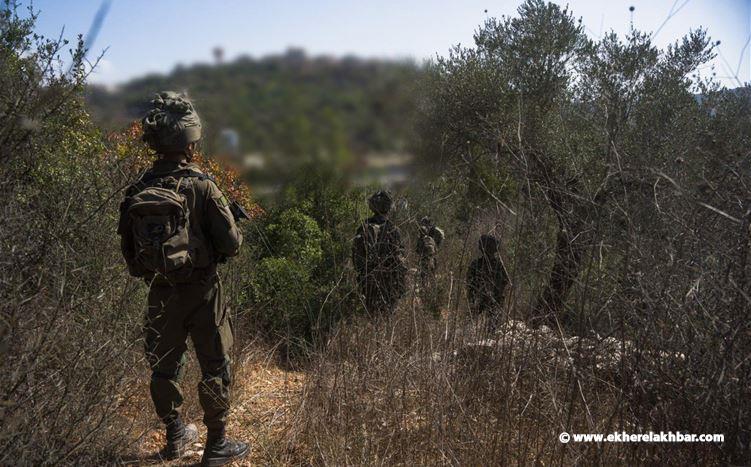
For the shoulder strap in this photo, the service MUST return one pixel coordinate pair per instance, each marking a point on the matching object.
(185, 173)
(148, 177)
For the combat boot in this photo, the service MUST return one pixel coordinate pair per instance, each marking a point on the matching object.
(179, 437)
(220, 450)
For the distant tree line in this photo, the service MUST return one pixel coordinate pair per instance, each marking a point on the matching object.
(290, 105)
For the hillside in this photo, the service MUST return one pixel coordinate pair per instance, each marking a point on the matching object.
(288, 104)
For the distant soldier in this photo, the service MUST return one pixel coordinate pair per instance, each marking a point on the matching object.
(378, 257)
(428, 242)
(175, 226)
(486, 281)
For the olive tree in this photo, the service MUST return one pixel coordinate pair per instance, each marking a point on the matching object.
(536, 98)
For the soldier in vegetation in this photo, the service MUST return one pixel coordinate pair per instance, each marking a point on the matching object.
(430, 239)
(175, 226)
(378, 257)
(486, 281)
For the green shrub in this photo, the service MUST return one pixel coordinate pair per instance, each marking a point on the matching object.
(282, 283)
(302, 282)
(70, 318)
(296, 236)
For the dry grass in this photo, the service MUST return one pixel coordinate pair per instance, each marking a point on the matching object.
(264, 399)
(444, 393)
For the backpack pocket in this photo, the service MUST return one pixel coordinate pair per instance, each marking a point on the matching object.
(159, 219)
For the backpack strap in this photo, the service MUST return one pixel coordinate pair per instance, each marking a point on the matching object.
(148, 177)
(190, 173)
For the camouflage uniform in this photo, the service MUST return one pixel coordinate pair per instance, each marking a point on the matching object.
(191, 307)
(430, 238)
(426, 250)
(379, 262)
(486, 281)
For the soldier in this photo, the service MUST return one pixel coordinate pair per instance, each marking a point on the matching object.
(486, 281)
(430, 238)
(175, 226)
(378, 257)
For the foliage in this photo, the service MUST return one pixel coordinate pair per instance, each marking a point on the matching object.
(550, 110)
(62, 383)
(619, 223)
(288, 105)
(282, 283)
(301, 286)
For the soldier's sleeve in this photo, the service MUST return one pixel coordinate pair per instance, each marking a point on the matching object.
(401, 252)
(127, 247)
(431, 248)
(225, 237)
(396, 245)
(123, 230)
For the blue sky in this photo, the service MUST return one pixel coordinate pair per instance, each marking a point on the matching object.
(144, 36)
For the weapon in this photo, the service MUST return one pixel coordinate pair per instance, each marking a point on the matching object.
(238, 212)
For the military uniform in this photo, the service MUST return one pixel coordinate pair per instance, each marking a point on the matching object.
(486, 282)
(426, 250)
(429, 239)
(175, 226)
(380, 262)
(191, 306)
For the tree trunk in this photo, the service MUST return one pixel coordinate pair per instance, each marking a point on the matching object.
(567, 265)
(569, 250)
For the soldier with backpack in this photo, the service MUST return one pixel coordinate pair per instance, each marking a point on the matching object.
(378, 257)
(175, 226)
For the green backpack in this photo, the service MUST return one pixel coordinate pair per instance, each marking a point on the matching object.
(162, 237)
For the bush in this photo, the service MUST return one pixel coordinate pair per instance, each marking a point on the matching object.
(302, 282)
(282, 281)
(69, 317)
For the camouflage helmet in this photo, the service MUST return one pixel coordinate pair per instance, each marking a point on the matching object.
(380, 202)
(489, 244)
(171, 124)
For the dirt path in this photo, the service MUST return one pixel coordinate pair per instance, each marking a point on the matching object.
(264, 398)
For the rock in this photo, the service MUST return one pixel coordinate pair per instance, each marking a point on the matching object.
(518, 342)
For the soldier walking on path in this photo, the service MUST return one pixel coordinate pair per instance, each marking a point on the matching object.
(378, 257)
(486, 282)
(175, 226)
